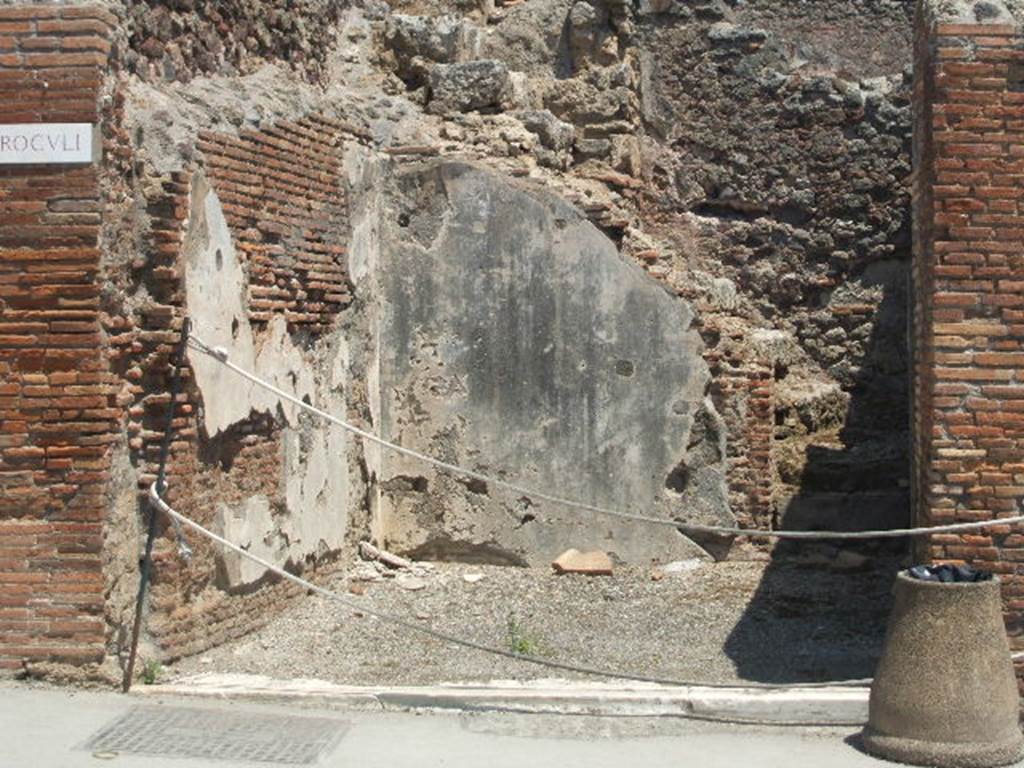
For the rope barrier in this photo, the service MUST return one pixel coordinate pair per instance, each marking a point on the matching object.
(221, 356)
(398, 621)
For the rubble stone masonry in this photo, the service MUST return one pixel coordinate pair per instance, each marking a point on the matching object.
(969, 296)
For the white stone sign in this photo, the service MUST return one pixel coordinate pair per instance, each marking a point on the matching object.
(47, 143)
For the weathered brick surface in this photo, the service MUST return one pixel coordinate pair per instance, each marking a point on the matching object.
(83, 370)
(58, 400)
(744, 392)
(969, 310)
(281, 194)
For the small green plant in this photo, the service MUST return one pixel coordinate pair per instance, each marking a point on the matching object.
(518, 639)
(151, 671)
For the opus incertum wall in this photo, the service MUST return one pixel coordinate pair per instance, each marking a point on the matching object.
(969, 309)
(58, 415)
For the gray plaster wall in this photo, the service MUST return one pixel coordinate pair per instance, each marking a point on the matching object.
(516, 341)
(494, 327)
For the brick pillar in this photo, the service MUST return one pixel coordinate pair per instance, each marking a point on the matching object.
(57, 410)
(745, 397)
(969, 296)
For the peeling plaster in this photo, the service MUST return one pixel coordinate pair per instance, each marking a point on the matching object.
(216, 284)
(251, 526)
(314, 467)
(364, 173)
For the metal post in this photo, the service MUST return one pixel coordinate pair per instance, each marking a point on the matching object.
(147, 560)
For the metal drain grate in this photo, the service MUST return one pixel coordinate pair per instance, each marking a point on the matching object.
(216, 734)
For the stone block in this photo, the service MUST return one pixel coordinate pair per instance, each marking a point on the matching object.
(587, 563)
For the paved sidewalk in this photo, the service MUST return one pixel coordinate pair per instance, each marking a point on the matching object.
(44, 727)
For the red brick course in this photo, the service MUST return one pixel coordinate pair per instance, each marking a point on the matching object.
(282, 196)
(744, 393)
(969, 275)
(58, 401)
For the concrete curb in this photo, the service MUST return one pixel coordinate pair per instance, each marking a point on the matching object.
(791, 706)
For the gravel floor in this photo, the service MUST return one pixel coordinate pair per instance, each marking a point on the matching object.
(722, 622)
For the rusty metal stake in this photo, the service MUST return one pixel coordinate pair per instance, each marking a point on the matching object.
(147, 560)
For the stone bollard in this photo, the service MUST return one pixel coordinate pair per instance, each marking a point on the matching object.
(945, 693)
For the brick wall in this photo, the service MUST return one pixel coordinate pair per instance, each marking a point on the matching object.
(281, 192)
(743, 392)
(969, 289)
(88, 325)
(58, 410)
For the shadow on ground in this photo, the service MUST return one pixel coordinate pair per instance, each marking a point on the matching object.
(829, 604)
